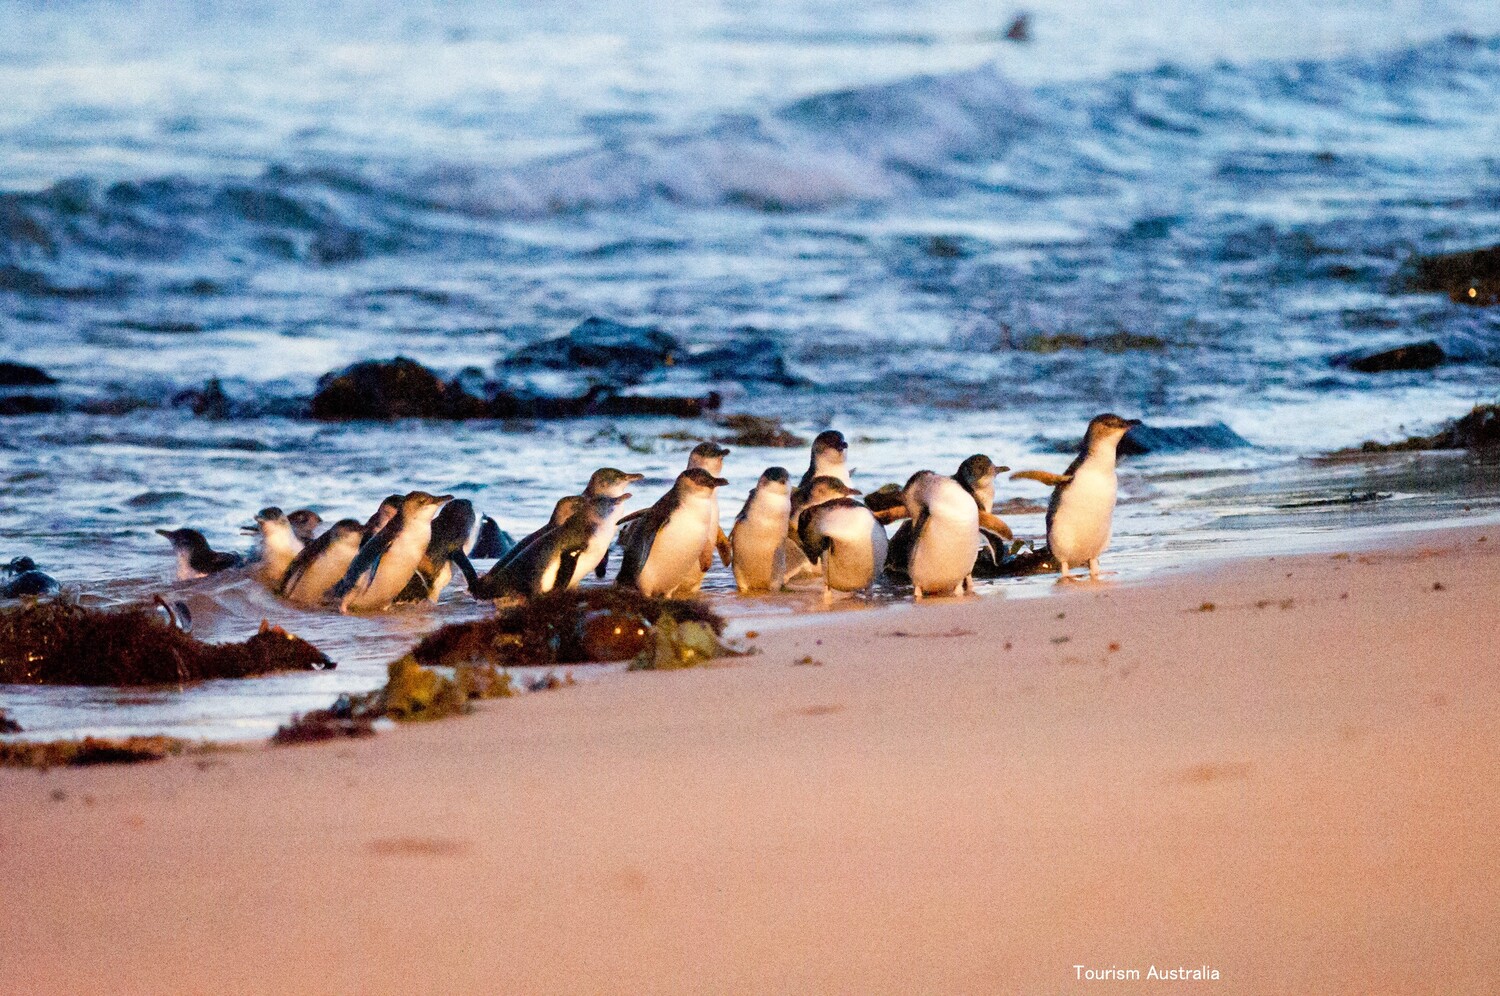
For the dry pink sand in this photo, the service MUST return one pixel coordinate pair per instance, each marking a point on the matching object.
(1297, 789)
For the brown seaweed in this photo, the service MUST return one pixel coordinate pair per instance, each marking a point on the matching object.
(92, 750)
(550, 629)
(62, 643)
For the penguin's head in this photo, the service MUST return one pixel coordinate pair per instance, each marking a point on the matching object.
(565, 507)
(917, 488)
(1106, 430)
(827, 488)
(708, 456)
(345, 530)
(421, 505)
(184, 539)
(389, 506)
(305, 523)
(830, 444)
(609, 481)
(698, 479)
(978, 471)
(20, 565)
(775, 480)
(604, 506)
(265, 520)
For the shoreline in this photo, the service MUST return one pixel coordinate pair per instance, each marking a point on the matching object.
(970, 795)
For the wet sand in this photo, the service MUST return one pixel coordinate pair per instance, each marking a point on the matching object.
(1294, 788)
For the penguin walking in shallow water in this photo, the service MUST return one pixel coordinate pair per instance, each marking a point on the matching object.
(387, 561)
(665, 546)
(944, 536)
(195, 558)
(384, 513)
(1080, 516)
(606, 482)
(842, 536)
(276, 548)
(556, 557)
(453, 532)
(321, 563)
(758, 537)
(708, 457)
(830, 454)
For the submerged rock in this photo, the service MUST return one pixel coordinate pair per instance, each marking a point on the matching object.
(8, 725)
(1414, 356)
(1471, 277)
(1144, 439)
(29, 404)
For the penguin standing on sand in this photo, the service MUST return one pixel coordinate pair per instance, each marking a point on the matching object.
(842, 536)
(387, 561)
(665, 546)
(453, 532)
(195, 558)
(322, 563)
(710, 457)
(277, 547)
(556, 557)
(944, 534)
(758, 538)
(1080, 516)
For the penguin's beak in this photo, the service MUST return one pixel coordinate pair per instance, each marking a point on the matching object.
(632, 478)
(164, 532)
(441, 499)
(251, 529)
(1001, 470)
(624, 498)
(719, 482)
(1132, 422)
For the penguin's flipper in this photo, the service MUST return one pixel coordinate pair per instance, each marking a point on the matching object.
(918, 524)
(895, 513)
(637, 542)
(567, 564)
(1041, 477)
(461, 561)
(993, 523)
(364, 565)
(603, 567)
(726, 552)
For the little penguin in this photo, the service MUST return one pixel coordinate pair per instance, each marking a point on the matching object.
(976, 475)
(305, 523)
(710, 457)
(25, 579)
(944, 534)
(830, 454)
(452, 532)
(490, 542)
(322, 562)
(195, 558)
(384, 513)
(664, 547)
(277, 547)
(387, 561)
(556, 557)
(1080, 516)
(758, 538)
(844, 538)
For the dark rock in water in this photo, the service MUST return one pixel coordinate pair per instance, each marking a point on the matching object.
(757, 430)
(384, 390)
(748, 354)
(29, 404)
(1415, 356)
(1020, 28)
(627, 353)
(8, 725)
(1180, 438)
(23, 375)
(1471, 277)
(1478, 430)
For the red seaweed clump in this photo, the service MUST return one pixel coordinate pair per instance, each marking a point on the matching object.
(61, 643)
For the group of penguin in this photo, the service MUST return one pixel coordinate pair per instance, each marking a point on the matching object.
(819, 529)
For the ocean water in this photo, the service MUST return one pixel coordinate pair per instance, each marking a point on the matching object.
(1214, 199)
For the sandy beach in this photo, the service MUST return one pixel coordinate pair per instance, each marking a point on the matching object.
(1280, 771)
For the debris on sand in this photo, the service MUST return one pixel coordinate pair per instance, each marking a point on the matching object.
(93, 750)
(62, 643)
(680, 644)
(1478, 430)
